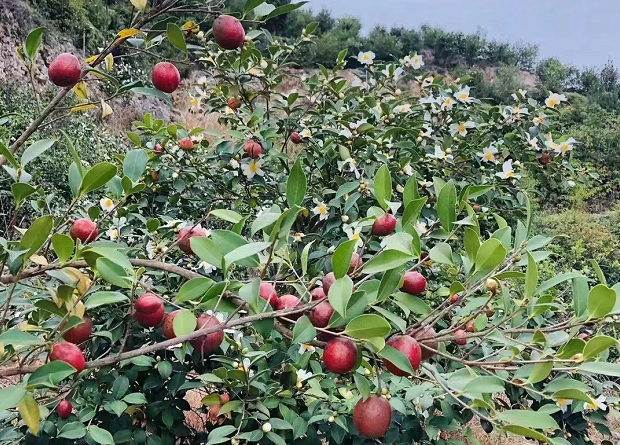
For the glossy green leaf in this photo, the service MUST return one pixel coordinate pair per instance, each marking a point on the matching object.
(341, 260)
(601, 301)
(340, 294)
(35, 150)
(184, 323)
(194, 289)
(36, 235)
(296, 185)
(528, 418)
(368, 326)
(490, 255)
(383, 186)
(63, 246)
(446, 206)
(597, 345)
(303, 332)
(531, 277)
(175, 36)
(96, 177)
(135, 163)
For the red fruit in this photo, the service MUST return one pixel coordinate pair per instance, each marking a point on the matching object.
(384, 225)
(340, 355)
(356, 262)
(210, 342)
(80, 332)
(166, 77)
(414, 283)
(234, 103)
(426, 337)
(224, 398)
(158, 149)
(321, 314)
(68, 353)
(84, 229)
(155, 175)
(477, 208)
(454, 298)
(328, 280)
(267, 292)
(64, 409)
(149, 310)
(409, 347)
(166, 327)
(185, 236)
(424, 256)
(287, 302)
(65, 70)
(186, 144)
(228, 32)
(253, 149)
(214, 413)
(150, 320)
(544, 159)
(459, 337)
(469, 326)
(295, 138)
(372, 417)
(317, 294)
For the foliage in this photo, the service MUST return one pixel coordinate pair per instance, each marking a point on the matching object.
(334, 156)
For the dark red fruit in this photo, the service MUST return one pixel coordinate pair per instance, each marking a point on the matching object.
(228, 32)
(267, 292)
(64, 409)
(317, 294)
(166, 327)
(224, 398)
(454, 298)
(287, 302)
(295, 138)
(356, 262)
(544, 159)
(84, 229)
(166, 77)
(68, 353)
(384, 225)
(414, 283)
(328, 281)
(372, 417)
(321, 314)
(460, 338)
(409, 347)
(79, 333)
(149, 310)
(340, 355)
(186, 234)
(426, 337)
(186, 144)
(234, 103)
(210, 342)
(158, 149)
(65, 70)
(253, 149)
(155, 175)
(469, 326)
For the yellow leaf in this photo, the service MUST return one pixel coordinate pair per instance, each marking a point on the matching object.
(29, 410)
(78, 309)
(139, 4)
(20, 53)
(106, 110)
(126, 33)
(191, 27)
(1, 349)
(38, 259)
(91, 59)
(82, 108)
(109, 62)
(25, 327)
(81, 91)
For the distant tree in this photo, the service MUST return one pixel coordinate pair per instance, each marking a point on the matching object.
(383, 44)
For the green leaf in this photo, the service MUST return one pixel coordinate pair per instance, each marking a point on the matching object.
(411, 191)
(152, 92)
(397, 358)
(386, 260)
(135, 163)
(33, 42)
(572, 394)
(99, 435)
(341, 260)
(105, 297)
(368, 326)
(528, 418)
(340, 294)
(206, 250)
(525, 432)
(412, 211)
(112, 273)
(265, 220)
(604, 368)
(285, 9)
(72, 430)
(175, 36)
(220, 433)
(36, 235)
(383, 186)
(11, 396)
(245, 251)
(362, 385)
(29, 410)
(63, 246)
(392, 317)
(597, 345)
(4, 151)
(303, 331)
(601, 301)
(441, 253)
(414, 304)
(14, 337)
(531, 277)
(540, 372)
(184, 323)
(35, 150)
(250, 5)
(194, 289)
(96, 177)
(552, 282)
(226, 215)
(51, 374)
(599, 273)
(446, 206)
(250, 293)
(137, 398)
(304, 258)
(296, 185)
(490, 255)
(581, 291)
(21, 190)
(485, 385)
(472, 243)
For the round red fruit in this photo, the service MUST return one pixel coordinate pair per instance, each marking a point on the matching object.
(228, 32)
(414, 283)
(340, 355)
(267, 292)
(84, 229)
(356, 262)
(186, 234)
(372, 417)
(68, 353)
(328, 281)
(384, 225)
(460, 337)
(65, 70)
(544, 159)
(321, 314)
(426, 337)
(210, 342)
(186, 144)
(149, 310)
(317, 294)
(252, 149)
(64, 409)
(79, 333)
(166, 77)
(234, 103)
(286, 302)
(469, 326)
(295, 138)
(166, 327)
(224, 398)
(158, 149)
(409, 347)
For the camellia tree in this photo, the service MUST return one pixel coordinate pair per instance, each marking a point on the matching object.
(347, 262)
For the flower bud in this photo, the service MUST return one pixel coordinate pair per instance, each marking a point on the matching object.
(266, 427)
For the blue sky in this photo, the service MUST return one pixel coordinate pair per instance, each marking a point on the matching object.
(578, 32)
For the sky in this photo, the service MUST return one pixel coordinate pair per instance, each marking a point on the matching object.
(584, 33)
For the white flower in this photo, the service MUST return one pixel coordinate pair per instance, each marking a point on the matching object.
(298, 236)
(112, 233)
(507, 171)
(408, 169)
(463, 95)
(194, 103)
(252, 168)
(154, 250)
(447, 103)
(563, 404)
(564, 147)
(303, 348)
(597, 404)
(352, 167)
(554, 99)
(346, 133)
(235, 333)
(571, 183)
(322, 210)
(439, 154)
(235, 165)
(400, 188)
(366, 58)
(305, 133)
(405, 108)
(539, 120)
(175, 175)
(356, 125)
(521, 92)
(206, 267)
(488, 154)
(421, 227)
(263, 64)
(427, 82)
(461, 128)
(266, 427)
(354, 234)
(107, 204)
(414, 61)
(228, 111)
(220, 317)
